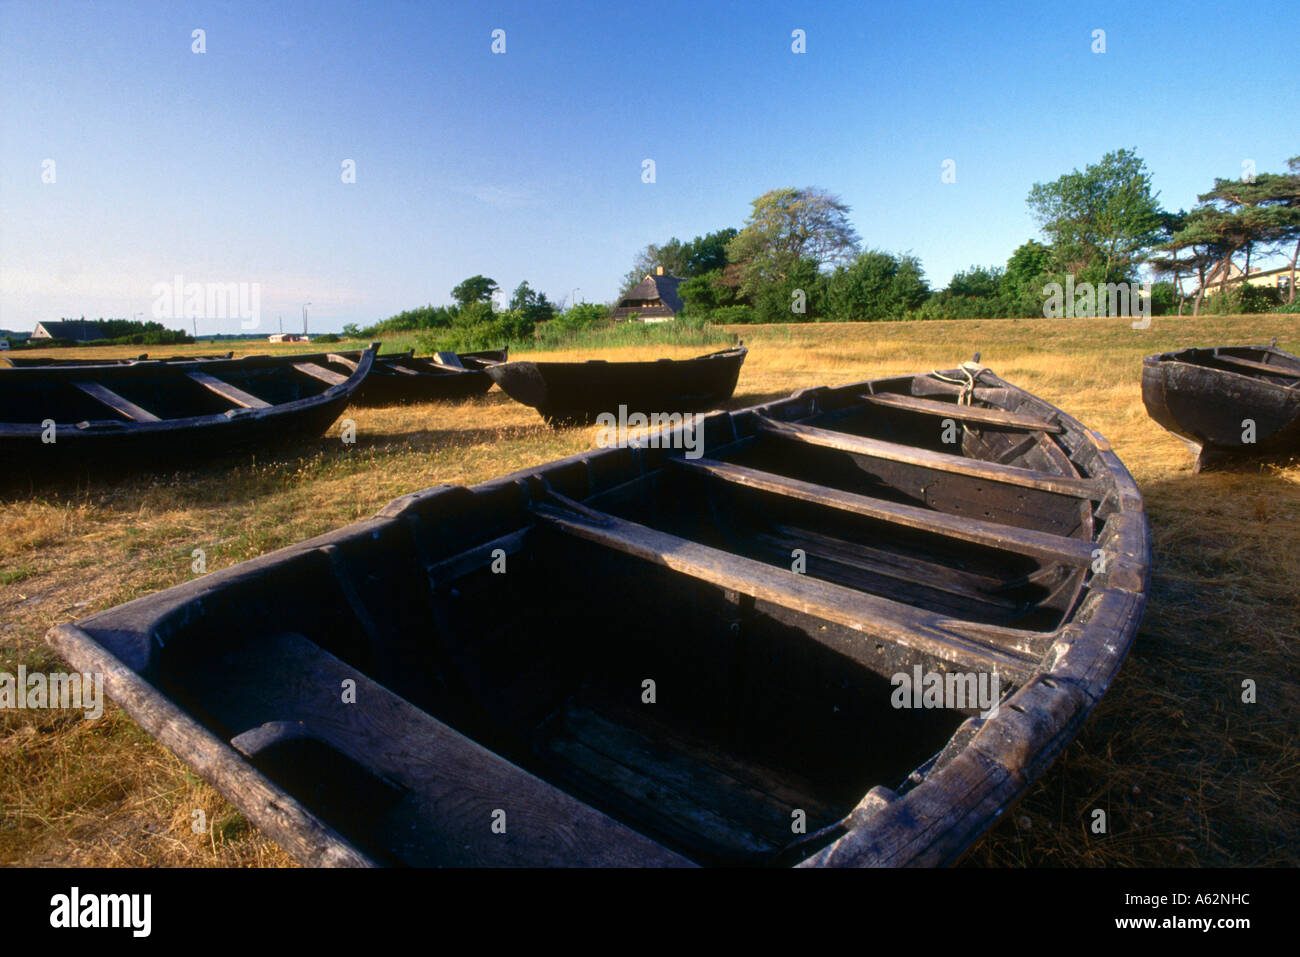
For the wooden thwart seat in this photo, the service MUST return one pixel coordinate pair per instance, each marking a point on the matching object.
(939, 461)
(227, 391)
(1021, 541)
(117, 403)
(985, 647)
(320, 372)
(1257, 366)
(965, 413)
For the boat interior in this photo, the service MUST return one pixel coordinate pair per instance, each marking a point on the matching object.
(155, 390)
(701, 649)
(1259, 362)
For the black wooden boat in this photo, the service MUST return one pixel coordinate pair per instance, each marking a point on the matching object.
(404, 377)
(47, 361)
(575, 393)
(140, 413)
(1226, 402)
(655, 683)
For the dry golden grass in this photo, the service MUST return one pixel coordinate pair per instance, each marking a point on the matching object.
(1188, 774)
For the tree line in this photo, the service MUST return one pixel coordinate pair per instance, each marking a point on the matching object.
(798, 258)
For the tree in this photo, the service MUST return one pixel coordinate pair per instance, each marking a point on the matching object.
(1030, 262)
(689, 260)
(1266, 210)
(876, 285)
(788, 227)
(533, 305)
(1102, 221)
(474, 289)
(1205, 238)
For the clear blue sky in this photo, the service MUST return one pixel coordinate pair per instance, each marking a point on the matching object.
(225, 166)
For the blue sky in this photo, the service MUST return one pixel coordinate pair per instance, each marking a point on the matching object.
(225, 166)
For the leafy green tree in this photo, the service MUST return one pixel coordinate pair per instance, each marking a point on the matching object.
(1027, 265)
(703, 254)
(474, 289)
(1102, 221)
(876, 285)
(786, 229)
(803, 286)
(533, 305)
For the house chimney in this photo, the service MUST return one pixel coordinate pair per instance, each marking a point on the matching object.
(659, 270)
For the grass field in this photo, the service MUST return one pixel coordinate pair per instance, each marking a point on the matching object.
(1187, 773)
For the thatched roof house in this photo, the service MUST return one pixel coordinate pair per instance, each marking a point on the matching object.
(653, 299)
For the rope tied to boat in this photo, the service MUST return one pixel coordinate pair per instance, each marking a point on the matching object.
(970, 376)
(971, 372)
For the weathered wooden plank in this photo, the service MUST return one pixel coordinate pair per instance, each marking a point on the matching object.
(121, 406)
(1021, 541)
(320, 372)
(1257, 366)
(227, 391)
(939, 461)
(451, 786)
(995, 650)
(343, 361)
(965, 413)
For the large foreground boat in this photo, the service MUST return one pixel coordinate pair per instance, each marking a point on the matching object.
(139, 414)
(714, 645)
(576, 393)
(1226, 402)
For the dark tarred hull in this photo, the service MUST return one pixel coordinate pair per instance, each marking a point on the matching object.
(1212, 399)
(520, 698)
(575, 393)
(193, 422)
(388, 384)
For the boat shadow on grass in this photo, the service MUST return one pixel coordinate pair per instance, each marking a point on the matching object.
(69, 478)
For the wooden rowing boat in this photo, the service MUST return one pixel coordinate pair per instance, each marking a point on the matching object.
(140, 413)
(47, 361)
(616, 658)
(1226, 402)
(575, 393)
(403, 377)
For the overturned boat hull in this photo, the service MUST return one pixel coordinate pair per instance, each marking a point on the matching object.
(719, 683)
(1228, 403)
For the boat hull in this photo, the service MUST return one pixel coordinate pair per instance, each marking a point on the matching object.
(148, 413)
(392, 380)
(576, 393)
(1226, 411)
(701, 692)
